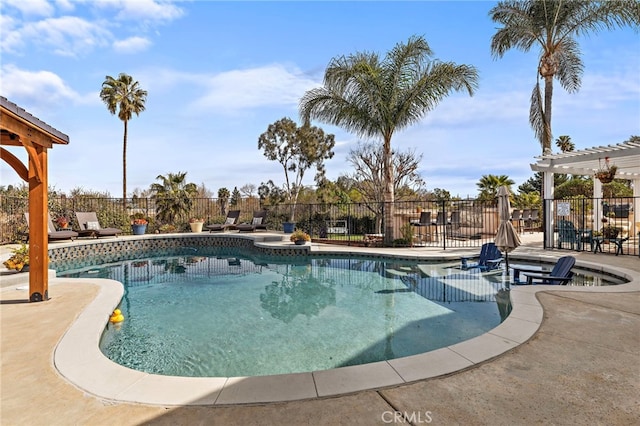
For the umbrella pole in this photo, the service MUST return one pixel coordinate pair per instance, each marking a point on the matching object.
(506, 259)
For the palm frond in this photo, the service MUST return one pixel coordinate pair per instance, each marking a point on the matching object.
(536, 116)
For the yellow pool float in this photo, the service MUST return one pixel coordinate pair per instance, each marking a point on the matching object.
(116, 317)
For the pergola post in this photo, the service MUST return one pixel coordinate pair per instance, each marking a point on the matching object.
(597, 200)
(636, 206)
(549, 213)
(38, 227)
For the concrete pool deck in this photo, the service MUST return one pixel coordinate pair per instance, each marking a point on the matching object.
(580, 366)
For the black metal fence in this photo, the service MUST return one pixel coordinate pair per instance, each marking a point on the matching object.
(583, 224)
(610, 225)
(462, 223)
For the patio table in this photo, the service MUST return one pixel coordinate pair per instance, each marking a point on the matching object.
(597, 243)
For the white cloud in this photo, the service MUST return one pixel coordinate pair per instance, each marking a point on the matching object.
(11, 40)
(31, 7)
(75, 36)
(65, 5)
(143, 10)
(39, 87)
(67, 36)
(271, 85)
(131, 45)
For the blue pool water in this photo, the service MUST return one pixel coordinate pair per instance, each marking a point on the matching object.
(229, 315)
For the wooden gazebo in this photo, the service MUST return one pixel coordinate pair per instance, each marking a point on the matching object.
(19, 128)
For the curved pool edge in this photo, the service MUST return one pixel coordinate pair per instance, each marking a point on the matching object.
(89, 370)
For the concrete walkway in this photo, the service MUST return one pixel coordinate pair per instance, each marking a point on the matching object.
(581, 367)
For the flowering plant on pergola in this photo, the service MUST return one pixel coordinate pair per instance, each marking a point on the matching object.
(606, 173)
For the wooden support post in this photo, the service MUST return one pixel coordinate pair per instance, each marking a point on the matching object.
(38, 227)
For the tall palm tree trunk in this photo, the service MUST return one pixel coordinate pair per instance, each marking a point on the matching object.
(389, 208)
(548, 95)
(124, 166)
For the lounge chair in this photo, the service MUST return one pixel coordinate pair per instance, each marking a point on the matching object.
(229, 223)
(567, 233)
(90, 226)
(259, 221)
(54, 235)
(560, 274)
(490, 258)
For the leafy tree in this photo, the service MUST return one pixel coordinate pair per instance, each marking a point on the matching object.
(374, 98)
(297, 149)
(573, 188)
(527, 200)
(489, 184)
(332, 193)
(125, 97)
(173, 197)
(441, 195)
(223, 200)
(270, 194)
(553, 25)
(534, 184)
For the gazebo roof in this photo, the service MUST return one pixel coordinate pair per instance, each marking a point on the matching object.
(17, 121)
(626, 156)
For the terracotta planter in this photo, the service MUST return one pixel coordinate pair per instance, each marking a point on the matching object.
(196, 226)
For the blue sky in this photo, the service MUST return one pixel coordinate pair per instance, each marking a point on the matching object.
(218, 73)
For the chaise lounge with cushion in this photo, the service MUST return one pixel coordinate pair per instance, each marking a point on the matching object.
(90, 226)
(55, 235)
(259, 221)
(229, 223)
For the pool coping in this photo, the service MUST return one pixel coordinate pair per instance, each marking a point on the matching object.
(89, 370)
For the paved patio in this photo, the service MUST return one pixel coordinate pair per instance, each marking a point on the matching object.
(581, 367)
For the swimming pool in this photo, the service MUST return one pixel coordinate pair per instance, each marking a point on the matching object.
(228, 315)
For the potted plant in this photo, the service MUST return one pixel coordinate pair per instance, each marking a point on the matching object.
(606, 173)
(139, 224)
(196, 224)
(299, 237)
(62, 222)
(19, 259)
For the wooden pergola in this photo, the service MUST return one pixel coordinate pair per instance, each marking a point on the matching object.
(19, 128)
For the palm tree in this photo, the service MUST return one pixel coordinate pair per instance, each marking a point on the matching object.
(173, 196)
(124, 96)
(564, 143)
(373, 98)
(223, 200)
(489, 185)
(554, 25)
